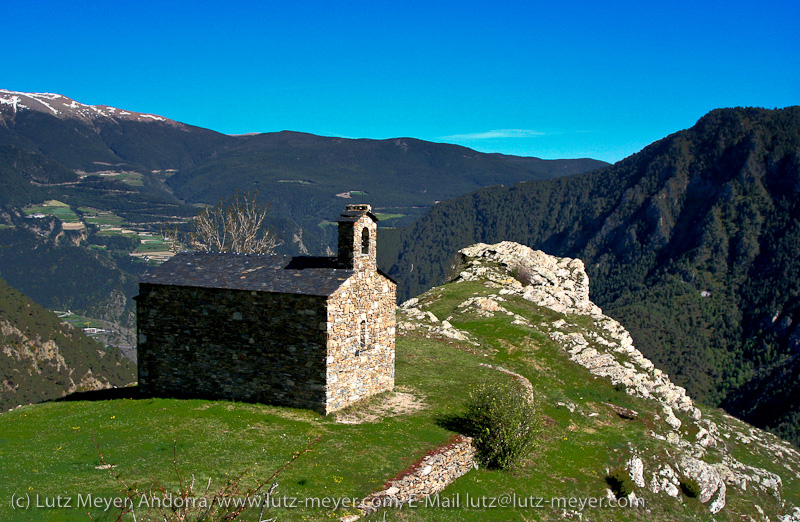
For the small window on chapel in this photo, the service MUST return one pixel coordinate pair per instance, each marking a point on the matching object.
(365, 241)
(362, 335)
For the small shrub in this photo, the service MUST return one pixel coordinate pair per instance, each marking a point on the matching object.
(619, 480)
(524, 274)
(453, 267)
(504, 423)
(690, 487)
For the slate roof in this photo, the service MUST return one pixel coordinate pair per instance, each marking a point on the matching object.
(281, 274)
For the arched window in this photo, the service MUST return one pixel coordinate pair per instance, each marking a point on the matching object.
(365, 241)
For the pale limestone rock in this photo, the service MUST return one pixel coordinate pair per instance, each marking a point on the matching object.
(410, 303)
(484, 306)
(670, 418)
(568, 405)
(607, 350)
(665, 479)
(521, 321)
(719, 502)
(558, 283)
(635, 468)
(708, 478)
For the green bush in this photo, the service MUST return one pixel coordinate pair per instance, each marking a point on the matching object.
(504, 423)
(619, 480)
(690, 487)
(524, 274)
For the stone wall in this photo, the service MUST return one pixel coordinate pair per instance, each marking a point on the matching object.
(429, 476)
(233, 344)
(360, 356)
(350, 244)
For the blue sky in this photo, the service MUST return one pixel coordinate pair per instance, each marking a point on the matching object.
(548, 79)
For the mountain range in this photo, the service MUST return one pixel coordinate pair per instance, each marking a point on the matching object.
(149, 172)
(693, 243)
(306, 178)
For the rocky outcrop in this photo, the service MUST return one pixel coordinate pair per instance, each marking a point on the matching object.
(560, 284)
(39, 359)
(430, 323)
(690, 447)
(708, 479)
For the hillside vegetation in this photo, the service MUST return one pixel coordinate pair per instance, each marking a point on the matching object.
(42, 358)
(692, 243)
(449, 339)
(123, 177)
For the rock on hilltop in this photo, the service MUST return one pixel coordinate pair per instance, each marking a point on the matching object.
(683, 444)
(561, 284)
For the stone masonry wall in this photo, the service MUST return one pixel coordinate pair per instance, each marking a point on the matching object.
(233, 344)
(350, 236)
(429, 476)
(356, 371)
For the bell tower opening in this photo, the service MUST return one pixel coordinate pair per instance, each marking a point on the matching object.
(357, 235)
(365, 241)
(363, 335)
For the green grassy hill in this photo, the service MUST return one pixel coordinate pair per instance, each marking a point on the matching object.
(443, 348)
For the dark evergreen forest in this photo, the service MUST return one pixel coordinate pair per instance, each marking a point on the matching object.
(692, 244)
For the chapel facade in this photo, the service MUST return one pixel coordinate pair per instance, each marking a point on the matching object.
(308, 332)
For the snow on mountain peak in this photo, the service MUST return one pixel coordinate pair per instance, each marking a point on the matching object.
(63, 107)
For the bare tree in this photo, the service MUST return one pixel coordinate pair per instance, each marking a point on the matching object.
(235, 224)
(171, 236)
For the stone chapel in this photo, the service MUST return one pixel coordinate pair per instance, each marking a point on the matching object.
(307, 332)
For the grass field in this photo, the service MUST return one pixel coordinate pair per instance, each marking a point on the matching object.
(79, 321)
(93, 216)
(53, 208)
(384, 217)
(153, 245)
(132, 178)
(116, 231)
(52, 449)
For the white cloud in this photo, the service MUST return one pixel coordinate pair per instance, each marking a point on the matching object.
(495, 134)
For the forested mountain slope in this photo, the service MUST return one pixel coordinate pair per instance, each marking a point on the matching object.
(119, 178)
(693, 243)
(42, 358)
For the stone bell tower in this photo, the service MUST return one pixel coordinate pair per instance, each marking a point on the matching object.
(358, 234)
